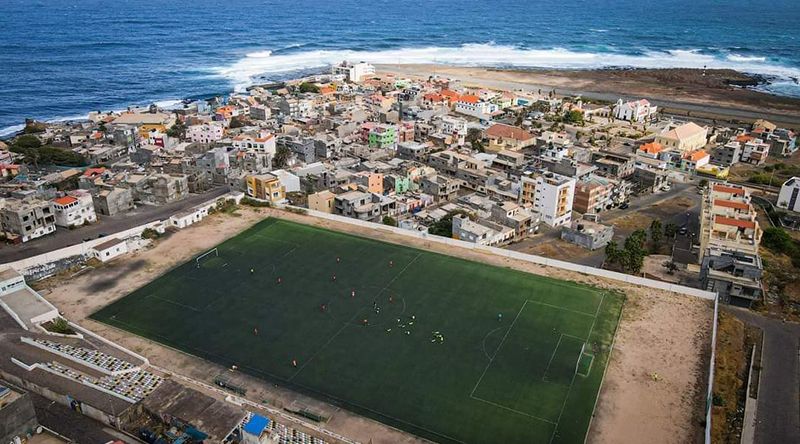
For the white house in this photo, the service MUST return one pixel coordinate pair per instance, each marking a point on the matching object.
(635, 111)
(109, 249)
(788, 197)
(472, 106)
(74, 209)
(289, 181)
(353, 72)
(205, 133)
(264, 142)
(551, 195)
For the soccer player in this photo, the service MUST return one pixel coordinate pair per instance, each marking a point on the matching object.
(252, 270)
(323, 308)
(294, 362)
(280, 279)
(353, 293)
(499, 317)
(255, 331)
(333, 278)
(338, 259)
(391, 263)
(391, 299)
(365, 322)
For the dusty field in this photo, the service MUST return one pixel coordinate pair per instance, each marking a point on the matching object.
(660, 333)
(679, 89)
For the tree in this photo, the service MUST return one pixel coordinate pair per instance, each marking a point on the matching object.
(670, 230)
(27, 141)
(307, 87)
(574, 116)
(444, 226)
(178, 130)
(282, 155)
(236, 122)
(778, 240)
(612, 253)
(632, 258)
(389, 220)
(656, 234)
(474, 136)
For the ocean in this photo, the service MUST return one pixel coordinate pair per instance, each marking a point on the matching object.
(60, 59)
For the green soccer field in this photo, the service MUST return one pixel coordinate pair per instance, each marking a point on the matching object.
(445, 348)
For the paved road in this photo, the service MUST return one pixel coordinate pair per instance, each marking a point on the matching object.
(106, 225)
(778, 415)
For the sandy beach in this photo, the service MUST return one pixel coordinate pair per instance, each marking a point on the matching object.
(715, 95)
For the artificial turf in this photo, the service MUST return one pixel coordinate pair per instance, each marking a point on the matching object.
(502, 367)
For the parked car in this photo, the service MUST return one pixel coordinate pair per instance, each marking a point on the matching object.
(624, 206)
(683, 231)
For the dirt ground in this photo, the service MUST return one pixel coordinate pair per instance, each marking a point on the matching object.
(709, 94)
(654, 385)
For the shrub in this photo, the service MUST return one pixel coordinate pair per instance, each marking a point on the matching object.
(255, 203)
(149, 233)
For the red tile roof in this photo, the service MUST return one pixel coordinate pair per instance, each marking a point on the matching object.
(731, 204)
(66, 200)
(734, 222)
(729, 189)
(508, 132)
(469, 98)
(652, 148)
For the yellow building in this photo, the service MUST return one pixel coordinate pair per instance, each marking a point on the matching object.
(687, 137)
(322, 201)
(266, 187)
(147, 122)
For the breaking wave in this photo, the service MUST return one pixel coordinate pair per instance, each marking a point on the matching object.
(260, 64)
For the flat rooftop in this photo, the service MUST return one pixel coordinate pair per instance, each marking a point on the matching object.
(25, 304)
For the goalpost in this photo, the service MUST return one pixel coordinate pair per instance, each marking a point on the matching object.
(213, 251)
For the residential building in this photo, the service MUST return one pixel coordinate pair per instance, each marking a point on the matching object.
(587, 234)
(266, 187)
(109, 249)
(550, 195)
(146, 122)
(24, 220)
(383, 136)
(510, 214)
(728, 154)
(353, 72)
(372, 182)
(692, 160)
(112, 201)
(472, 106)
(260, 112)
(687, 137)
(480, 232)
(205, 133)
(613, 165)
(74, 209)
(356, 204)
(442, 188)
(634, 111)
(264, 143)
(504, 137)
(735, 276)
(755, 152)
(729, 221)
(321, 201)
(594, 194)
(788, 196)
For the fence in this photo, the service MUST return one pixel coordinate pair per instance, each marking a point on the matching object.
(710, 392)
(539, 260)
(82, 250)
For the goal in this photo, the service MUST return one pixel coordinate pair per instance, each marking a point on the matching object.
(208, 253)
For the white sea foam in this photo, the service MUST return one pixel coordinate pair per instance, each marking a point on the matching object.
(243, 72)
(741, 58)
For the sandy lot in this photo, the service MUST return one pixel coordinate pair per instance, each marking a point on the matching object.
(654, 385)
(678, 89)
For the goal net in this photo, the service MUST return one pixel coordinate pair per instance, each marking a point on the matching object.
(208, 254)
